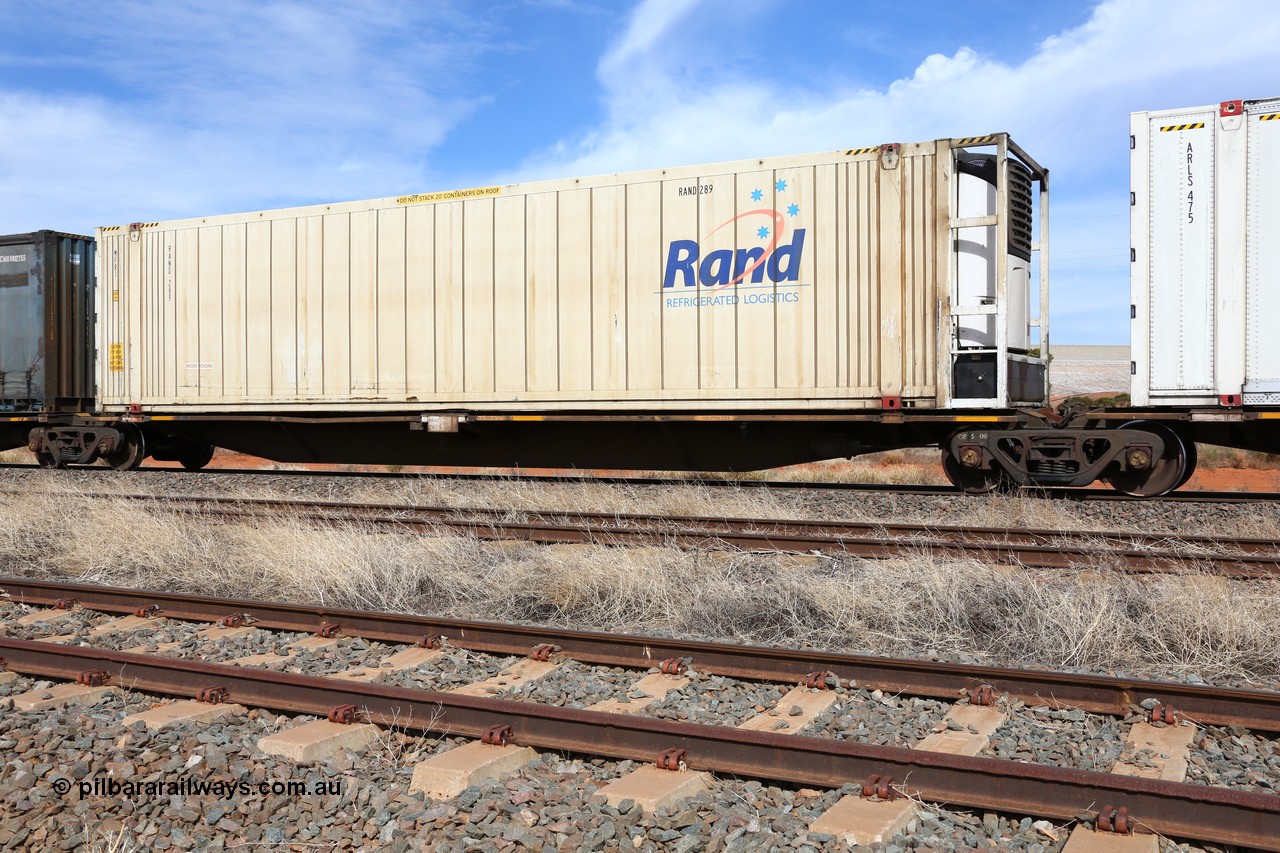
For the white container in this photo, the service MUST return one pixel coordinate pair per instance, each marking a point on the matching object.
(1206, 262)
(805, 282)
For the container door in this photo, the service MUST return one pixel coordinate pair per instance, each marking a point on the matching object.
(21, 325)
(1262, 278)
(1181, 252)
(112, 264)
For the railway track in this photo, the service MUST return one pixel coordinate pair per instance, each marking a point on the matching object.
(1254, 709)
(1170, 808)
(1131, 552)
(1065, 494)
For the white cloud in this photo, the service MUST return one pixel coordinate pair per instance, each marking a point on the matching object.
(194, 108)
(1067, 104)
(651, 22)
(1130, 55)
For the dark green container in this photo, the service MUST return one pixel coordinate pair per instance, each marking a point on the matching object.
(46, 322)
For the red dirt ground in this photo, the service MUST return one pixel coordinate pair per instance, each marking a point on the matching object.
(1234, 480)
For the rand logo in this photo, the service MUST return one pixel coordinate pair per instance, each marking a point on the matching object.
(777, 259)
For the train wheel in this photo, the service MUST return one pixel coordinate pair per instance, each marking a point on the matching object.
(130, 456)
(48, 460)
(197, 457)
(1167, 473)
(1193, 458)
(969, 480)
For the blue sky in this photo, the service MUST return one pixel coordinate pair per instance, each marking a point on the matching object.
(119, 112)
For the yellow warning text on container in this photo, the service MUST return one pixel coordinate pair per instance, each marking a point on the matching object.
(451, 195)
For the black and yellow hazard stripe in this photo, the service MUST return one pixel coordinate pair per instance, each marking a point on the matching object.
(853, 152)
(137, 225)
(974, 140)
(1195, 125)
(1271, 117)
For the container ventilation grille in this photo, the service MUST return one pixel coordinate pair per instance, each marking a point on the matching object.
(1019, 210)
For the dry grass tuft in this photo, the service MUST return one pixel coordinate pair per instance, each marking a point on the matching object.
(915, 466)
(1212, 456)
(112, 840)
(918, 606)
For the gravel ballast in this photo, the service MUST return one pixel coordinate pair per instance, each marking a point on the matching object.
(551, 804)
(1059, 737)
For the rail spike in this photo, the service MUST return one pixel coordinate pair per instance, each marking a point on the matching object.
(672, 759)
(93, 677)
(497, 735)
(1116, 820)
(345, 714)
(543, 652)
(821, 680)
(674, 666)
(879, 786)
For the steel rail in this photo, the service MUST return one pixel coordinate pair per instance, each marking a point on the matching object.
(922, 489)
(1257, 710)
(948, 533)
(1239, 558)
(1178, 809)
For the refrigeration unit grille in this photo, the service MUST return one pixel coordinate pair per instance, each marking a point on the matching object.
(1019, 210)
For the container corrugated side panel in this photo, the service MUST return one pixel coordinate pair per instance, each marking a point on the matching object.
(552, 295)
(1262, 288)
